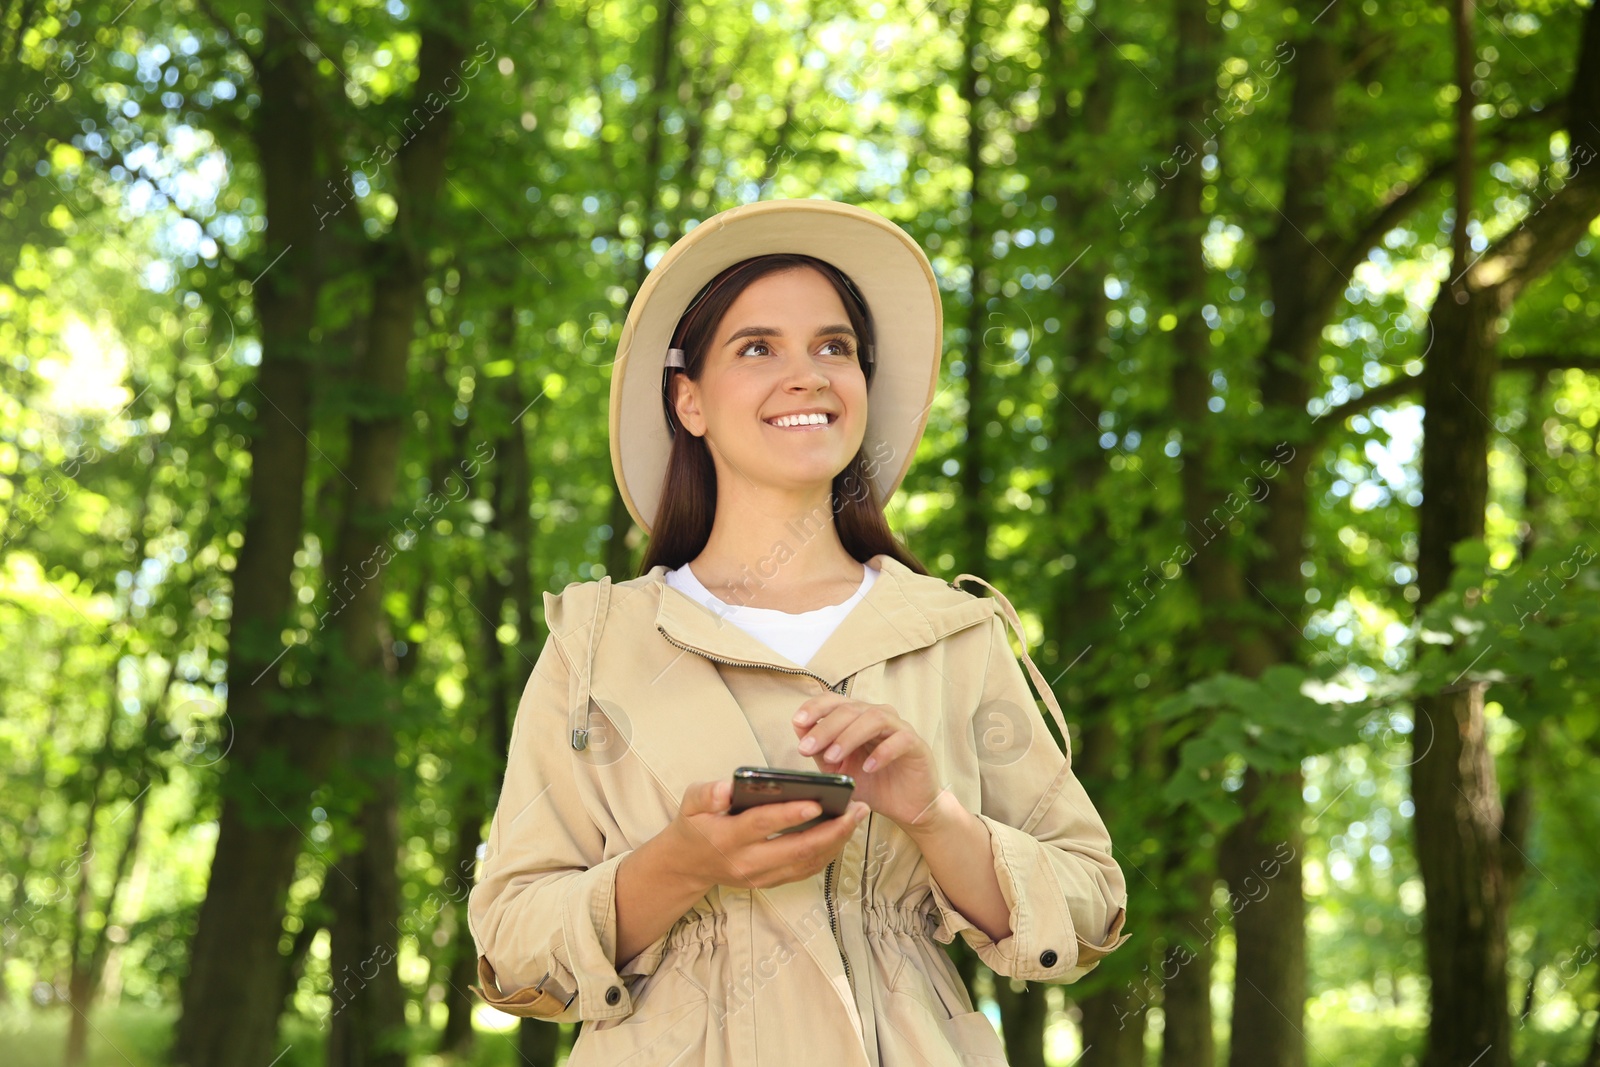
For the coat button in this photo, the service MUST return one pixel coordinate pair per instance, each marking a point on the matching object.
(614, 994)
(1047, 958)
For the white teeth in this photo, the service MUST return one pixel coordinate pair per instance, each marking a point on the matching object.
(800, 420)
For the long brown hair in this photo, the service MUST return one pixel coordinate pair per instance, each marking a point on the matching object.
(689, 497)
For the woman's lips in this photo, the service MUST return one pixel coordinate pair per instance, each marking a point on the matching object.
(806, 425)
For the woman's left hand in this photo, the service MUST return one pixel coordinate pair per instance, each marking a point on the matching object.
(901, 782)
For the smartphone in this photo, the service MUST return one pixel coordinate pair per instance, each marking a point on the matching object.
(753, 786)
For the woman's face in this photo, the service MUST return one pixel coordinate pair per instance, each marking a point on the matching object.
(785, 345)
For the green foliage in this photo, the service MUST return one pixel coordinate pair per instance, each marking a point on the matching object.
(1530, 632)
(134, 252)
(1268, 723)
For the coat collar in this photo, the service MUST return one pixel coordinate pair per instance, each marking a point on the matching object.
(903, 611)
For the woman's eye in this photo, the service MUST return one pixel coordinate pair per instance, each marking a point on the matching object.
(830, 348)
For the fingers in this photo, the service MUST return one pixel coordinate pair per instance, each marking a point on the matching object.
(767, 819)
(896, 744)
(702, 797)
(845, 732)
(748, 851)
(818, 706)
(814, 740)
(805, 852)
(830, 832)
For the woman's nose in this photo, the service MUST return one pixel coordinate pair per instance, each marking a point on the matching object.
(801, 369)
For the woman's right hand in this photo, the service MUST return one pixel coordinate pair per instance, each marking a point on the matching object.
(712, 847)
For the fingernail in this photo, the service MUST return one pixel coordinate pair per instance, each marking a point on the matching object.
(800, 718)
(807, 745)
(860, 810)
(834, 752)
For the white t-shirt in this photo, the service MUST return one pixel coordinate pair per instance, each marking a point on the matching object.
(794, 636)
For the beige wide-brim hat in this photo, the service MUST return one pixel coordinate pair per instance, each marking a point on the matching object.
(888, 268)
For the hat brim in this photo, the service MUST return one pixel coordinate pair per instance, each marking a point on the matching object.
(887, 266)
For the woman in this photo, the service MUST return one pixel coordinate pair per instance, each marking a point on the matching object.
(777, 621)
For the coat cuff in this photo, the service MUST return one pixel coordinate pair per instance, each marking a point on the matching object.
(1044, 944)
(580, 981)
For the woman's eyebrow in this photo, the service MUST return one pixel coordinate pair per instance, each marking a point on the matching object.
(769, 331)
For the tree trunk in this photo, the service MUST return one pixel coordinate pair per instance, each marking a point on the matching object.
(79, 988)
(230, 999)
(367, 1027)
(459, 999)
(1023, 1014)
(90, 951)
(1113, 1025)
(1458, 818)
(1186, 1038)
(619, 556)
(539, 1042)
(1520, 798)
(1453, 780)
(499, 702)
(84, 982)
(1187, 1035)
(1112, 1017)
(369, 1021)
(1189, 925)
(512, 520)
(1261, 859)
(1263, 854)
(975, 496)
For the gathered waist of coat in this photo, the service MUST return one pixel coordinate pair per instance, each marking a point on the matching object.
(880, 920)
(877, 920)
(698, 928)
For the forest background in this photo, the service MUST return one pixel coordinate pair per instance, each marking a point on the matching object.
(1269, 396)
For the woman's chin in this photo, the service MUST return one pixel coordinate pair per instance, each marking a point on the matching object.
(797, 475)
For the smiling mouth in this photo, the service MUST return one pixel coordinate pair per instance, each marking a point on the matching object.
(805, 425)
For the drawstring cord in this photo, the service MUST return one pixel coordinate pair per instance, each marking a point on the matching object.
(578, 716)
(1039, 683)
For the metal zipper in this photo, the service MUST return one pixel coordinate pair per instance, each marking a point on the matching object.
(749, 663)
(833, 924)
(827, 881)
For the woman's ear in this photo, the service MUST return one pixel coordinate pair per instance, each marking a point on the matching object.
(686, 402)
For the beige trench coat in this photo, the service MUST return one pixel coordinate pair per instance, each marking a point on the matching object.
(839, 969)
